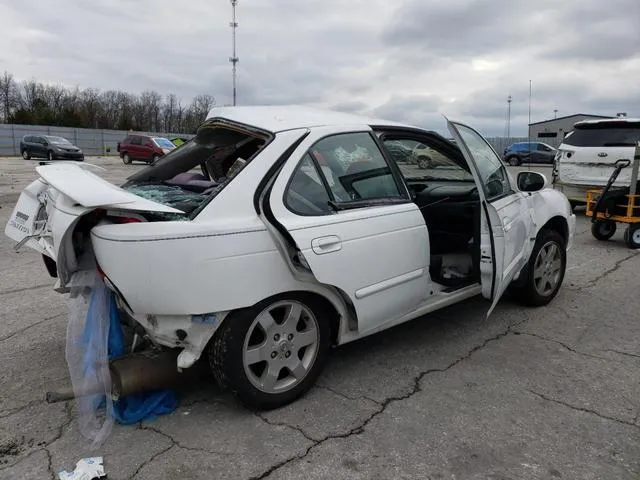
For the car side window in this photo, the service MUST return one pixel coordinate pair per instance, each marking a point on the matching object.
(306, 194)
(136, 140)
(417, 161)
(354, 168)
(492, 172)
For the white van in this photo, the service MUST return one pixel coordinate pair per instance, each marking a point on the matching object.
(587, 155)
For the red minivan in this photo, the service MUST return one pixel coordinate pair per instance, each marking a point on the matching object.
(143, 148)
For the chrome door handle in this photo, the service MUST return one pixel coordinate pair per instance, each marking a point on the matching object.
(328, 244)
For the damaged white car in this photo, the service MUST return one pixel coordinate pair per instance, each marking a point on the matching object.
(279, 232)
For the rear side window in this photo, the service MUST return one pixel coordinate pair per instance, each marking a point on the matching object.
(136, 140)
(604, 135)
(348, 170)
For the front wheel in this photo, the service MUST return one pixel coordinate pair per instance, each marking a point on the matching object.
(26, 155)
(632, 235)
(545, 270)
(271, 354)
(514, 161)
(50, 156)
(603, 229)
(155, 159)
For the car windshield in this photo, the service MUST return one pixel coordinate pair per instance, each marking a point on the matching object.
(604, 135)
(59, 140)
(163, 142)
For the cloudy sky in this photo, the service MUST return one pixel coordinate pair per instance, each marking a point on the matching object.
(408, 60)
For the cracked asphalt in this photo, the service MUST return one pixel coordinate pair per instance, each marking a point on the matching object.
(548, 393)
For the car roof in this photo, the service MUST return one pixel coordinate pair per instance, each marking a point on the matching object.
(288, 117)
(617, 120)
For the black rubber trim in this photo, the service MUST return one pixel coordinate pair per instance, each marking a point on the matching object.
(274, 169)
(493, 248)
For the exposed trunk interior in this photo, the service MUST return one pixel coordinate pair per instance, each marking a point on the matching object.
(192, 174)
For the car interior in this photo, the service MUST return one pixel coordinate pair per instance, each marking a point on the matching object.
(448, 198)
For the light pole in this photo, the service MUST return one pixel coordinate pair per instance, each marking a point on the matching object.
(233, 59)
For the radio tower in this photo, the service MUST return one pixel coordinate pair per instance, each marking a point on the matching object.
(234, 59)
(509, 99)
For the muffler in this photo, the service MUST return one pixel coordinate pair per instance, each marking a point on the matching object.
(137, 373)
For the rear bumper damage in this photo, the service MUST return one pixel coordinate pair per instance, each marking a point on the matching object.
(191, 333)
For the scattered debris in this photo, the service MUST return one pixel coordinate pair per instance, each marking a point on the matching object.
(90, 468)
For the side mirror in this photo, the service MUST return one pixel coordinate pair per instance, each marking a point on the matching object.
(531, 181)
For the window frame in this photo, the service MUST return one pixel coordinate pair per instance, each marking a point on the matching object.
(511, 190)
(336, 207)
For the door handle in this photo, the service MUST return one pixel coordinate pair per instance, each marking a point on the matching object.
(328, 244)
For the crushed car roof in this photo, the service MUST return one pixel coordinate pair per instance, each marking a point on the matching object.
(287, 117)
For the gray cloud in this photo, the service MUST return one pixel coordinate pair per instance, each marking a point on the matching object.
(409, 61)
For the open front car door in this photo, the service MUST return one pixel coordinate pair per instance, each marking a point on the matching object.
(506, 225)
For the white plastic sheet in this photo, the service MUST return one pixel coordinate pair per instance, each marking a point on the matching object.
(87, 353)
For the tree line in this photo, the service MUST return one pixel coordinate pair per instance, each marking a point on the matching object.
(34, 103)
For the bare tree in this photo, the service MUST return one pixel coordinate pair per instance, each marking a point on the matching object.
(8, 95)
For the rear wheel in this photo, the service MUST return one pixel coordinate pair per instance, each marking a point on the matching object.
(126, 159)
(26, 155)
(514, 161)
(271, 354)
(424, 161)
(545, 271)
(632, 235)
(603, 229)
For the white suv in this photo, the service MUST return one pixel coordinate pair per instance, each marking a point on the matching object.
(587, 155)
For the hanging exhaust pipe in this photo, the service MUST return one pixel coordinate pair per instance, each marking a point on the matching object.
(136, 373)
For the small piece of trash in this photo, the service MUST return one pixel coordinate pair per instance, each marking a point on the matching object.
(90, 468)
(186, 413)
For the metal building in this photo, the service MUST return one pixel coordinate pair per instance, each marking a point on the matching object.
(553, 131)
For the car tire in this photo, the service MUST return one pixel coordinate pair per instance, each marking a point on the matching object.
(424, 162)
(155, 159)
(540, 274)
(50, 156)
(126, 159)
(26, 155)
(514, 161)
(246, 375)
(603, 229)
(632, 236)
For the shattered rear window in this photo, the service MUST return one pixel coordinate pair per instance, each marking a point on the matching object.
(187, 177)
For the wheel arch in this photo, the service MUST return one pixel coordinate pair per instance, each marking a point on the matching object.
(339, 312)
(559, 224)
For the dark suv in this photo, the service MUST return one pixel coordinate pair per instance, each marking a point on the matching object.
(144, 148)
(529, 152)
(49, 147)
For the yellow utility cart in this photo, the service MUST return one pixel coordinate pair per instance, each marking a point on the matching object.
(613, 205)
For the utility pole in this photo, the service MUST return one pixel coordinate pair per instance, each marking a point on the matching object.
(233, 59)
(509, 99)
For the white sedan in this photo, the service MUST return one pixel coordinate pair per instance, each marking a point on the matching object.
(279, 232)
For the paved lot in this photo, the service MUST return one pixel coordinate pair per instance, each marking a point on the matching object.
(528, 393)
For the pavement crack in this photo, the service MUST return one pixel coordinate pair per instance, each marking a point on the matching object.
(12, 411)
(18, 332)
(284, 424)
(153, 457)
(562, 344)
(581, 409)
(25, 289)
(344, 395)
(50, 464)
(616, 266)
(620, 352)
(382, 407)
(176, 443)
